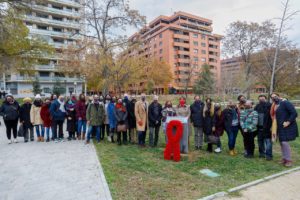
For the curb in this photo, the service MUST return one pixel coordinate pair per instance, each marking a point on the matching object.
(250, 184)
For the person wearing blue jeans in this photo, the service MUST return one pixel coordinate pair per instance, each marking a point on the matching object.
(232, 134)
(81, 126)
(98, 132)
(40, 132)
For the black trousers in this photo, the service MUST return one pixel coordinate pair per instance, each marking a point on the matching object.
(11, 125)
(122, 134)
(57, 124)
(104, 128)
(249, 142)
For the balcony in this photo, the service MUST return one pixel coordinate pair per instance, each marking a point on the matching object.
(53, 33)
(67, 3)
(182, 52)
(52, 22)
(181, 44)
(183, 60)
(50, 79)
(55, 11)
(180, 36)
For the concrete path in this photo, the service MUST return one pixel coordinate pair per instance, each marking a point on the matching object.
(285, 187)
(49, 171)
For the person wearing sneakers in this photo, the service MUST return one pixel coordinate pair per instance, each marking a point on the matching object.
(248, 122)
(218, 126)
(25, 119)
(80, 110)
(95, 118)
(112, 119)
(58, 113)
(10, 112)
(231, 124)
(46, 117)
(35, 118)
(284, 126)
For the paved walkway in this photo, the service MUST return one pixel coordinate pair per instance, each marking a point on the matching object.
(285, 187)
(48, 171)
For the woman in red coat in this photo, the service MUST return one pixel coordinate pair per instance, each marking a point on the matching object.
(46, 117)
(218, 128)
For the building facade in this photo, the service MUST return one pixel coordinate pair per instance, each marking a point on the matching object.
(183, 40)
(57, 22)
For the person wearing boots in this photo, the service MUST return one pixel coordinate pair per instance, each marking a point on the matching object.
(46, 117)
(208, 116)
(198, 121)
(35, 117)
(80, 110)
(218, 126)
(58, 113)
(141, 115)
(132, 121)
(112, 119)
(154, 118)
(25, 119)
(71, 119)
(122, 124)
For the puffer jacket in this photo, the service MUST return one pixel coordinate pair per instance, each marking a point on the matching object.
(35, 115)
(10, 111)
(249, 120)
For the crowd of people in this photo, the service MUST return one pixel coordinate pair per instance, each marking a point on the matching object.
(127, 120)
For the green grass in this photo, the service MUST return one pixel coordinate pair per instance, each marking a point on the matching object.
(134, 173)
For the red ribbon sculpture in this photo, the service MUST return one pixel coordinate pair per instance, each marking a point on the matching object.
(173, 145)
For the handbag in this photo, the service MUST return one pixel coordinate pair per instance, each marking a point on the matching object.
(121, 128)
(213, 139)
(21, 131)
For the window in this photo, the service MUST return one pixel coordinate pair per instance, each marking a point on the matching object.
(47, 90)
(57, 7)
(42, 15)
(195, 43)
(160, 35)
(44, 74)
(203, 44)
(195, 51)
(195, 35)
(42, 27)
(160, 51)
(196, 59)
(203, 59)
(203, 37)
(57, 29)
(57, 18)
(160, 43)
(203, 52)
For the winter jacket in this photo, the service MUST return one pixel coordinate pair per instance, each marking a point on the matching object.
(71, 117)
(264, 118)
(95, 114)
(218, 123)
(56, 113)
(121, 115)
(208, 123)
(154, 114)
(197, 114)
(35, 115)
(10, 111)
(131, 116)
(168, 112)
(25, 115)
(46, 116)
(286, 112)
(111, 115)
(249, 120)
(80, 109)
(228, 114)
(141, 115)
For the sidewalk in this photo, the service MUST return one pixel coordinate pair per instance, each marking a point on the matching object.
(48, 171)
(285, 187)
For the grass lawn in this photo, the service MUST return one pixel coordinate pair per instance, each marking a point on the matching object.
(134, 173)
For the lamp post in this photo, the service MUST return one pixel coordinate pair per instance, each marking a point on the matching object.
(75, 88)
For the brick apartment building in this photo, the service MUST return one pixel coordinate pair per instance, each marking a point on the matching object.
(183, 40)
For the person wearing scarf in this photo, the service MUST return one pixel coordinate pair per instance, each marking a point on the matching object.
(35, 117)
(284, 127)
(71, 118)
(208, 115)
(46, 117)
(197, 121)
(58, 113)
(121, 117)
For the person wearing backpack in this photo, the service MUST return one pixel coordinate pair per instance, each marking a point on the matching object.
(248, 122)
(264, 136)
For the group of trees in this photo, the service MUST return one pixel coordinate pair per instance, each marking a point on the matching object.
(268, 58)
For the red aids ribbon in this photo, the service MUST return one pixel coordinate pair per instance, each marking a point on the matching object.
(173, 145)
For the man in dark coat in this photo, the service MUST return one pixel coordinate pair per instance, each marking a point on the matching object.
(264, 128)
(132, 121)
(197, 121)
(58, 113)
(25, 119)
(154, 116)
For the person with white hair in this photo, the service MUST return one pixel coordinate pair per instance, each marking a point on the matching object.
(35, 117)
(141, 115)
(248, 122)
(154, 117)
(58, 113)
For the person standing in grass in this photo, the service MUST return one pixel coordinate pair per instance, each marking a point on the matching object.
(264, 136)
(105, 127)
(122, 124)
(35, 117)
(71, 118)
(141, 115)
(241, 106)
(10, 112)
(132, 121)
(112, 119)
(248, 122)
(208, 128)
(25, 119)
(198, 121)
(231, 124)
(95, 118)
(218, 126)
(46, 117)
(154, 118)
(285, 126)
(168, 111)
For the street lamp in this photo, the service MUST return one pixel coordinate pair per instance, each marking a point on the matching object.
(75, 88)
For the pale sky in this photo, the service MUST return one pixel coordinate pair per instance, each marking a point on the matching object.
(222, 12)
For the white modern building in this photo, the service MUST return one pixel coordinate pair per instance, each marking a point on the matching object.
(58, 22)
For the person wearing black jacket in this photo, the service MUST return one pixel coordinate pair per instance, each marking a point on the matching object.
(25, 119)
(132, 121)
(154, 116)
(264, 136)
(197, 121)
(10, 112)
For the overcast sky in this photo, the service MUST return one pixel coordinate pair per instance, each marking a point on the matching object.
(222, 12)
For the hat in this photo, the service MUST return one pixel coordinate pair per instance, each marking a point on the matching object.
(26, 99)
(38, 96)
(155, 98)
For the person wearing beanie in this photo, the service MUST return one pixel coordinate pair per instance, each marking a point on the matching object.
(46, 117)
(25, 119)
(35, 117)
(154, 117)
